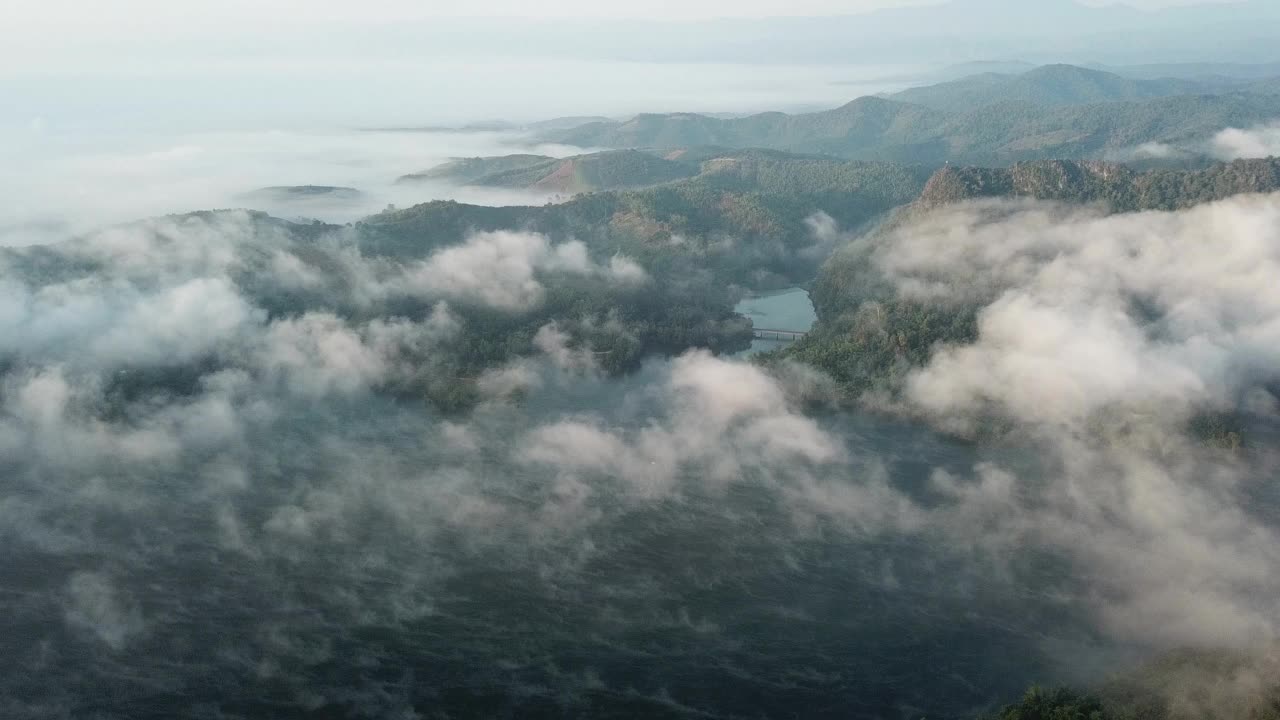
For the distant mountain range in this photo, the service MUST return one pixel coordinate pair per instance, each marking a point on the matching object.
(1221, 74)
(1053, 86)
(1056, 111)
(1195, 71)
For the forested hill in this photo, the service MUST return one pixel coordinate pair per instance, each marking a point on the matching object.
(869, 338)
(742, 218)
(1121, 188)
(1008, 121)
(610, 170)
(618, 275)
(470, 170)
(763, 170)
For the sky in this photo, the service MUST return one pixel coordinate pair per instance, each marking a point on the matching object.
(67, 36)
(135, 13)
(74, 35)
(148, 64)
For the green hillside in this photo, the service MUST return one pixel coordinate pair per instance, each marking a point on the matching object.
(1121, 188)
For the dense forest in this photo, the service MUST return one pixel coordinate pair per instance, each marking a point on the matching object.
(1117, 186)
(1179, 685)
(610, 313)
(742, 218)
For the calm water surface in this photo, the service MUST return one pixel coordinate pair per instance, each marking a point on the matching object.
(789, 309)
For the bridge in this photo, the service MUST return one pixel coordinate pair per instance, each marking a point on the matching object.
(777, 334)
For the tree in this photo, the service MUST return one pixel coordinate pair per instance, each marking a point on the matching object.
(1054, 704)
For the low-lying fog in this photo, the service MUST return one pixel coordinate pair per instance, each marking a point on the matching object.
(81, 154)
(72, 182)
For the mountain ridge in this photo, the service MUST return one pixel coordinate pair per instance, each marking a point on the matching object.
(1007, 130)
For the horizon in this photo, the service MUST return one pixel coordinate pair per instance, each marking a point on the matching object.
(229, 66)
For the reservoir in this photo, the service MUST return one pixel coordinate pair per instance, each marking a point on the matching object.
(788, 309)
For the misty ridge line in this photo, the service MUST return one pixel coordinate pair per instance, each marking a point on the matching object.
(1054, 111)
(168, 171)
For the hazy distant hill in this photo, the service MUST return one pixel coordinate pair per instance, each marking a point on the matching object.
(1268, 86)
(958, 71)
(868, 128)
(303, 200)
(745, 169)
(596, 171)
(1002, 134)
(1197, 71)
(295, 193)
(468, 170)
(1050, 86)
(562, 122)
(558, 123)
(1013, 129)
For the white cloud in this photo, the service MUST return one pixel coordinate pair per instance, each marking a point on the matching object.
(554, 343)
(318, 353)
(1060, 338)
(1100, 336)
(501, 269)
(178, 324)
(726, 422)
(94, 604)
(1257, 142)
